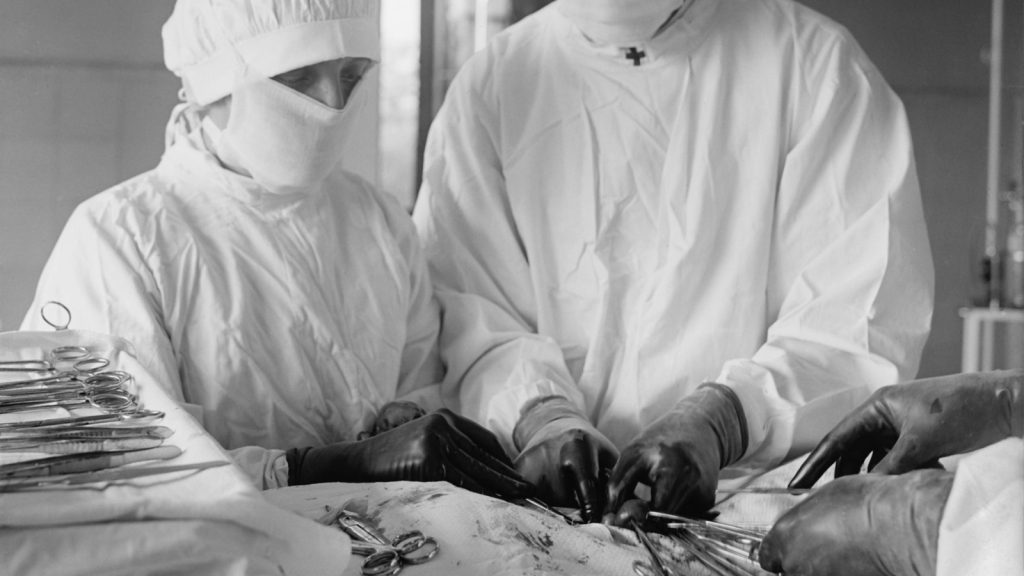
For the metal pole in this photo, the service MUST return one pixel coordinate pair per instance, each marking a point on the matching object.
(994, 139)
(432, 72)
(481, 21)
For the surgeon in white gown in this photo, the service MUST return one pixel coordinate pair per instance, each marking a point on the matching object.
(282, 298)
(624, 200)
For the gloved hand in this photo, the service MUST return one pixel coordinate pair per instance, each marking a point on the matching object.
(438, 446)
(912, 425)
(680, 454)
(861, 526)
(563, 455)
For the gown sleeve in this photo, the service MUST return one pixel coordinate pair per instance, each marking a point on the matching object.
(421, 371)
(495, 359)
(99, 272)
(851, 281)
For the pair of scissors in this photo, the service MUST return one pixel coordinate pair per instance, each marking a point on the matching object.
(82, 362)
(85, 367)
(106, 391)
(383, 557)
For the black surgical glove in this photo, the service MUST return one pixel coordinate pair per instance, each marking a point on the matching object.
(912, 425)
(438, 446)
(563, 455)
(680, 454)
(862, 526)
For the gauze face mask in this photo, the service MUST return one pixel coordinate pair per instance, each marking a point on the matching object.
(287, 141)
(618, 22)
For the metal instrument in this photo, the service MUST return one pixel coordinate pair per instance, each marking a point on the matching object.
(658, 566)
(543, 507)
(82, 386)
(765, 490)
(56, 315)
(25, 366)
(383, 557)
(87, 462)
(115, 475)
(724, 549)
(138, 417)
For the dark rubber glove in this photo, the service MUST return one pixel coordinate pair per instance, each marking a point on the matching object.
(563, 455)
(861, 526)
(912, 425)
(680, 454)
(438, 446)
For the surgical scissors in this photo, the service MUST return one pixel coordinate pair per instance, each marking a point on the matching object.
(107, 391)
(383, 557)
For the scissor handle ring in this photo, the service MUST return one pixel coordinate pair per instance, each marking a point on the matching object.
(641, 568)
(113, 401)
(69, 352)
(106, 382)
(381, 563)
(411, 538)
(91, 365)
(419, 549)
(56, 325)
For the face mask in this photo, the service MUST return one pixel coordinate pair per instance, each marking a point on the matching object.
(287, 141)
(618, 22)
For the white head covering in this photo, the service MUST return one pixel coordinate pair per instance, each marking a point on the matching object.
(208, 42)
(618, 22)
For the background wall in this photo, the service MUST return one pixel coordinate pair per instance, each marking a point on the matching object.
(934, 54)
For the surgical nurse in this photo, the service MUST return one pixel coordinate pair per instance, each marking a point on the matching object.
(671, 237)
(282, 298)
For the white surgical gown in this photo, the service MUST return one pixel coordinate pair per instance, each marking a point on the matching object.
(742, 206)
(287, 320)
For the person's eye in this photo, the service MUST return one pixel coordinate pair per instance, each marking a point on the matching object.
(350, 78)
(297, 80)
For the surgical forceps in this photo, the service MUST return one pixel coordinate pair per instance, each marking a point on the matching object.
(135, 418)
(106, 391)
(382, 557)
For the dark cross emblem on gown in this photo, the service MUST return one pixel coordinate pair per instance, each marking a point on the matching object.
(635, 55)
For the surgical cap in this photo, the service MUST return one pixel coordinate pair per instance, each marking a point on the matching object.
(208, 43)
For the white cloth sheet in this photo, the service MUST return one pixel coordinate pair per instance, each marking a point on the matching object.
(483, 535)
(982, 529)
(210, 522)
(478, 534)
